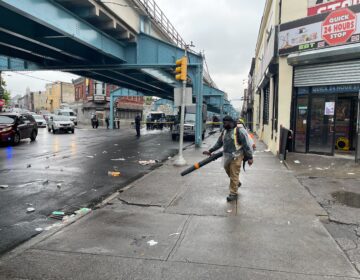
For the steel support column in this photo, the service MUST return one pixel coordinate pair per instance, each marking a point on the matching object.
(111, 115)
(221, 112)
(198, 91)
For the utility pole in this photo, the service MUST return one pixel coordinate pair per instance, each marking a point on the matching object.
(182, 75)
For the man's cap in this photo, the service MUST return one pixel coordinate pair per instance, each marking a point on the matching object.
(228, 119)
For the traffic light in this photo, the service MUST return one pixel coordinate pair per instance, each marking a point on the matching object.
(181, 69)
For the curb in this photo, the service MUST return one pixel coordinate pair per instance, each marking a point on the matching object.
(40, 237)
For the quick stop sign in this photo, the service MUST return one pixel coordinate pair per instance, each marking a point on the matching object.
(339, 26)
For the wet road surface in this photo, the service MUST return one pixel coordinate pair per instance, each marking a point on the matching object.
(69, 171)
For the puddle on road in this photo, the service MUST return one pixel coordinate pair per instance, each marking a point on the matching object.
(347, 198)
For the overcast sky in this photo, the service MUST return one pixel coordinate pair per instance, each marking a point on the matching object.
(225, 29)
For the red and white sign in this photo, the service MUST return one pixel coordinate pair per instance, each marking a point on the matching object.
(338, 27)
(323, 6)
(2, 102)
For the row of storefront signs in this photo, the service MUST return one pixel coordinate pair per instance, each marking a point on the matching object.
(316, 7)
(330, 89)
(321, 31)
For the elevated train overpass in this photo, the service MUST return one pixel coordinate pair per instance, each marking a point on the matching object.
(129, 43)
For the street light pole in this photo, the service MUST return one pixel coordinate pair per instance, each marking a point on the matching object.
(181, 160)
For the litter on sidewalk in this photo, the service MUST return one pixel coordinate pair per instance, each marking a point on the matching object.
(90, 156)
(152, 242)
(147, 162)
(114, 173)
(83, 211)
(4, 186)
(30, 209)
(118, 159)
(297, 161)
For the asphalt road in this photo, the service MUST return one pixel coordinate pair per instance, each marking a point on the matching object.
(69, 171)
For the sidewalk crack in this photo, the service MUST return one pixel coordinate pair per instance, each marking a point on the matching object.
(180, 239)
(139, 204)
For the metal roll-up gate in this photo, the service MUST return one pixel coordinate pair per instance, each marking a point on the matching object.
(336, 73)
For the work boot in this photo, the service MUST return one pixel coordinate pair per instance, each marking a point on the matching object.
(231, 197)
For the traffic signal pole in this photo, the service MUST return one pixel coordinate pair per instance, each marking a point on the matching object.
(182, 75)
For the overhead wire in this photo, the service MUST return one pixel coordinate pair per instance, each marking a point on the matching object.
(34, 77)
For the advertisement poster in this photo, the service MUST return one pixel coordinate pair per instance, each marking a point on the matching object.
(337, 28)
(329, 108)
(323, 6)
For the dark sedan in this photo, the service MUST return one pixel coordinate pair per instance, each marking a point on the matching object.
(15, 127)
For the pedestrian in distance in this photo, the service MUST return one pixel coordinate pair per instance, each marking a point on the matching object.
(236, 149)
(94, 121)
(117, 122)
(107, 121)
(137, 125)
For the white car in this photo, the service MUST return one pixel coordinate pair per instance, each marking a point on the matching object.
(41, 122)
(60, 123)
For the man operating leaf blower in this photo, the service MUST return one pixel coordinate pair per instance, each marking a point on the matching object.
(237, 148)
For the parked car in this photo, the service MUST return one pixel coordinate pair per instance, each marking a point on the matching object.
(14, 127)
(41, 122)
(58, 123)
(45, 114)
(68, 113)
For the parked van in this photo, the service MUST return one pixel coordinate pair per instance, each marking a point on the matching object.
(68, 113)
(189, 123)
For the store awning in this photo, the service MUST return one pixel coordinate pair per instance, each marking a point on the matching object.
(339, 53)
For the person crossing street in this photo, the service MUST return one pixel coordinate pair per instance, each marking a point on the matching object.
(236, 149)
(137, 125)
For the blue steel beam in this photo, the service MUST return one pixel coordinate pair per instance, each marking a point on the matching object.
(57, 18)
(155, 51)
(15, 64)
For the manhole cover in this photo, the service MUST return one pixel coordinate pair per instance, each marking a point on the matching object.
(347, 198)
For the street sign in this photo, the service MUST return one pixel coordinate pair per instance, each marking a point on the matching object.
(339, 26)
(2, 102)
(178, 97)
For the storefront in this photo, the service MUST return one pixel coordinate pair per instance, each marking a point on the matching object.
(324, 53)
(326, 118)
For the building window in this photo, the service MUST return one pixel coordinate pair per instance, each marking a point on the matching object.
(266, 105)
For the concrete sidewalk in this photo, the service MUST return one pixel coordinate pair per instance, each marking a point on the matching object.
(170, 227)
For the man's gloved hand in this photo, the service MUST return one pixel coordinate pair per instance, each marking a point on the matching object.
(250, 162)
(207, 153)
